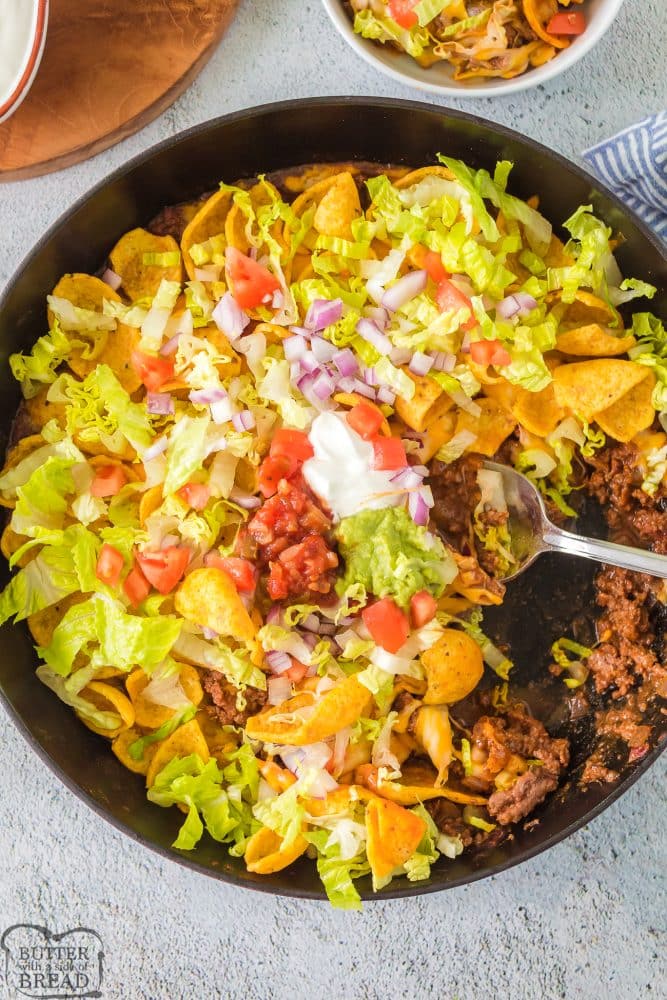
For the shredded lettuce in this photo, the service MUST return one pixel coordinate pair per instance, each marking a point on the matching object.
(85, 708)
(39, 367)
(383, 29)
(651, 351)
(380, 683)
(186, 451)
(337, 873)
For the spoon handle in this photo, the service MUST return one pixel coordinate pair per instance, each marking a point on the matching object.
(624, 556)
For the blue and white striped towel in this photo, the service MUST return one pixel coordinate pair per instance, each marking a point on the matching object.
(634, 165)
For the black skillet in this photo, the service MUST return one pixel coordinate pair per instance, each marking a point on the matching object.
(540, 604)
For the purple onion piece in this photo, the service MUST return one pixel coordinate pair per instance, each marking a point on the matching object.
(405, 289)
(244, 420)
(294, 348)
(418, 509)
(229, 317)
(420, 364)
(159, 404)
(369, 331)
(386, 395)
(279, 661)
(323, 313)
(345, 362)
(112, 279)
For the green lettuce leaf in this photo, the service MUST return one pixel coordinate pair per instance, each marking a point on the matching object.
(414, 41)
(103, 720)
(336, 873)
(39, 367)
(186, 451)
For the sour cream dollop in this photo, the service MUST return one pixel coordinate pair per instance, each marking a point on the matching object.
(341, 472)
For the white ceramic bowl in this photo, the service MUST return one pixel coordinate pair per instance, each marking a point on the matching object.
(23, 25)
(439, 79)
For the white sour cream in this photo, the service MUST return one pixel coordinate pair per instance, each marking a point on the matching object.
(18, 20)
(341, 472)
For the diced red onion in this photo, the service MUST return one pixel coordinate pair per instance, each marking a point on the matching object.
(209, 633)
(322, 350)
(310, 640)
(465, 342)
(345, 362)
(170, 346)
(427, 494)
(279, 661)
(405, 289)
(279, 689)
(323, 386)
(244, 420)
(418, 509)
(221, 410)
(386, 395)
(159, 403)
(205, 396)
(229, 317)
(112, 279)
(278, 299)
(420, 364)
(407, 479)
(400, 355)
(443, 362)
(519, 304)
(311, 623)
(363, 389)
(309, 362)
(347, 384)
(274, 615)
(372, 335)
(526, 302)
(323, 313)
(301, 331)
(379, 316)
(155, 449)
(369, 376)
(294, 348)
(320, 786)
(327, 628)
(421, 470)
(243, 499)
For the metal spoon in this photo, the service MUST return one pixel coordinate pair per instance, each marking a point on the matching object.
(532, 532)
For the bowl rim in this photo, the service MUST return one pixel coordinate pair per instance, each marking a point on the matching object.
(36, 51)
(287, 107)
(372, 54)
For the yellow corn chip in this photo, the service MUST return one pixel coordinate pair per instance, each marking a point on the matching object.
(208, 222)
(589, 387)
(338, 708)
(417, 785)
(121, 745)
(427, 405)
(632, 413)
(490, 428)
(265, 854)
(593, 341)
(208, 597)
(183, 741)
(108, 698)
(393, 835)
(141, 280)
(338, 208)
(539, 412)
(148, 713)
(453, 668)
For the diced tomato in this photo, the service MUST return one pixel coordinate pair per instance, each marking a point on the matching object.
(109, 480)
(296, 672)
(387, 624)
(109, 565)
(241, 571)
(251, 283)
(196, 495)
(423, 607)
(294, 444)
(449, 297)
(163, 569)
(402, 11)
(365, 419)
(432, 262)
(152, 370)
(567, 23)
(389, 453)
(489, 352)
(136, 586)
(272, 470)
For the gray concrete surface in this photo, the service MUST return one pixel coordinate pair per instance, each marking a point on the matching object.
(586, 920)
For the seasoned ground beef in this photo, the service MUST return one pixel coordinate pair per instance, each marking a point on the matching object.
(518, 801)
(447, 818)
(494, 742)
(456, 494)
(632, 514)
(171, 221)
(489, 559)
(224, 697)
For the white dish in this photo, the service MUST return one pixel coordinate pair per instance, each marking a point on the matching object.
(439, 79)
(23, 25)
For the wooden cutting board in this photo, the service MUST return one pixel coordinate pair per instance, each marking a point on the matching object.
(109, 68)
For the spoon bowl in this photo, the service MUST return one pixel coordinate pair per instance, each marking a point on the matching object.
(532, 532)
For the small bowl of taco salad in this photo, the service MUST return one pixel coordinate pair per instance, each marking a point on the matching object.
(251, 531)
(472, 47)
